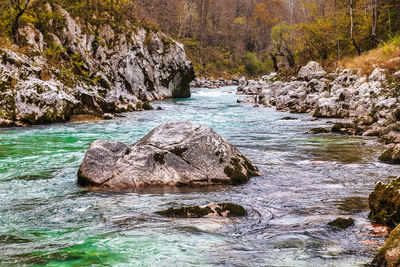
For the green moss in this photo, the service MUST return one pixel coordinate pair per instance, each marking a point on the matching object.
(147, 40)
(139, 106)
(340, 125)
(240, 172)
(147, 106)
(159, 157)
(5, 85)
(342, 223)
(390, 156)
(101, 81)
(384, 203)
(319, 130)
(179, 151)
(220, 209)
(251, 169)
(236, 174)
(185, 212)
(234, 209)
(389, 254)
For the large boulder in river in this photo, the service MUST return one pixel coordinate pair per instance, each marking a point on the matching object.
(175, 153)
(311, 70)
(384, 203)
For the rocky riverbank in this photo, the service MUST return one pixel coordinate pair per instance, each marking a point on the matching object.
(83, 69)
(212, 83)
(371, 106)
(371, 103)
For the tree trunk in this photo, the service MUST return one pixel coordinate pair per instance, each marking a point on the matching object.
(374, 36)
(15, 28)
(398, 14)
(274, 61)
(352, 28)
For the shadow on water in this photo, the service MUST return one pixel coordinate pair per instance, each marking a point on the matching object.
(341, 149)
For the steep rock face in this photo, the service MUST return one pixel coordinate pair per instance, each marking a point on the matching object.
(175, 153)
(115, 71)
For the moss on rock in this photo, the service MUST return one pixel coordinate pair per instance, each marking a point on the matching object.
(159, 157)
(147, 106)
(342, 223)
(213, 209)
(384, 203)
(391, 156)
(240, 172)
(389, 254)
(319, 130)
(185, 212)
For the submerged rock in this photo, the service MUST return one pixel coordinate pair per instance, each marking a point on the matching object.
(210, 210)
(288, 118)
(392, 155)
(175, 153)
(319, 130)
(384, 203)
(389, 254)
(342, 223)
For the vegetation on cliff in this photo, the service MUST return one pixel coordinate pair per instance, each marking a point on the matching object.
(226, 37)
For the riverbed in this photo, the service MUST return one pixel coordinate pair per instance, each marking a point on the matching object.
(307, 181)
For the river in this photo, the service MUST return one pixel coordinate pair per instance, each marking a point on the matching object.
(46, 219)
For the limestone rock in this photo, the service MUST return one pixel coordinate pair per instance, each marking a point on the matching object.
(175, 153)
(311, 70)
(117, 71)
(378, 75)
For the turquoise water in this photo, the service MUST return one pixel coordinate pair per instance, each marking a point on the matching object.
(46, 219)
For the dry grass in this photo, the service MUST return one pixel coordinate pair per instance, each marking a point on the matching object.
(386, 56)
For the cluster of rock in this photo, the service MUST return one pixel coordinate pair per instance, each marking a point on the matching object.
(172, 154)
(217, 83)
(370, 103)
(118, 72)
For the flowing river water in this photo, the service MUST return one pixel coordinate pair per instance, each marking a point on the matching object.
(308, 180)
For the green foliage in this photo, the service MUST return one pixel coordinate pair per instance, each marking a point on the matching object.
(389, 46)
(252, 64)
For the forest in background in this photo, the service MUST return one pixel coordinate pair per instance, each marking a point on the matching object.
(229, 37)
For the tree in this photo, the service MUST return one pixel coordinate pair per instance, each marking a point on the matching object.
(20, 6)
(351, 10)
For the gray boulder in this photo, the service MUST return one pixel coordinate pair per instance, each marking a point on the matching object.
(175, 153)
(311, 70)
